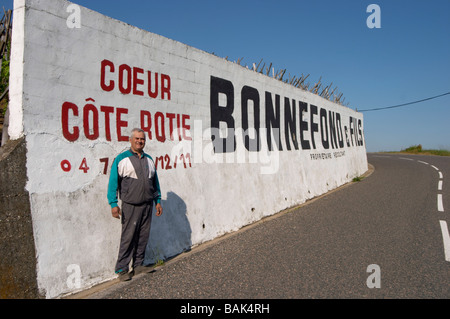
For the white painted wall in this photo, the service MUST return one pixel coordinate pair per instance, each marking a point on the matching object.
(54, 65)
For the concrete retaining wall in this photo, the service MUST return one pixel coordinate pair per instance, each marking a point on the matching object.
(17, 251)
(231, 145)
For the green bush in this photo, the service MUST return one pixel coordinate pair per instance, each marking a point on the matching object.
(413, 149)
(417, 149)
(4, 80)
(4, 75)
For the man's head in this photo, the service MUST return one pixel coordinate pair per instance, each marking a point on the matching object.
(137, 140)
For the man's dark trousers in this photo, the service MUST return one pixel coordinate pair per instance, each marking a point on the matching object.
(136, 221)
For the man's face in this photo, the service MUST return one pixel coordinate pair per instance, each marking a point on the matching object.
(137, 141)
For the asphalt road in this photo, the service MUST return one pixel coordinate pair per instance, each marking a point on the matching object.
(392, 219)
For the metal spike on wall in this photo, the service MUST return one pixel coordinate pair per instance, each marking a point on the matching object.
(299, 82)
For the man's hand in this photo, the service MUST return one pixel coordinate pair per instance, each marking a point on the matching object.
(159, 210)
(115, 212)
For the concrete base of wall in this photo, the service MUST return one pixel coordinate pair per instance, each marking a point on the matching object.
(18, 257)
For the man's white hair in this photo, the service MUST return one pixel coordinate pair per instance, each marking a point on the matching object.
(136, 129)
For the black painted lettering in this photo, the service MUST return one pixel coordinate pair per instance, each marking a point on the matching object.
(352, 130)
(361, 140)
(248, 93)
(323, 125)
(303, 108)
(314, 126)
(290, 123)
(339, 132)
(222, 113)
(273, 121)
(332, 123)
(346, 136)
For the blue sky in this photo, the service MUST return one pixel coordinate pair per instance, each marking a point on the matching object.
(407, 59)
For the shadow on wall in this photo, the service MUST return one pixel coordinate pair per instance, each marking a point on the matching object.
(170, 234)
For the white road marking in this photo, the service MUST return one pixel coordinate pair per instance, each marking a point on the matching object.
(439, 203)
(446, 239)
(440, 206)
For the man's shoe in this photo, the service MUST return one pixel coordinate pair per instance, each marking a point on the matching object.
(124, 275)
(143, 269)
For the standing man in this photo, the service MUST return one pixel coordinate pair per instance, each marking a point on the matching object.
(133, 175)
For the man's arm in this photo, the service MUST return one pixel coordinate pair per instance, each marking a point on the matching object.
(157, 195)
(158, 206)
(113, 186)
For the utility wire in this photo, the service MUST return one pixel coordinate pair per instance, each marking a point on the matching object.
(394, 106)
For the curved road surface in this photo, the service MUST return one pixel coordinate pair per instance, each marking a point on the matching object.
(386, 236)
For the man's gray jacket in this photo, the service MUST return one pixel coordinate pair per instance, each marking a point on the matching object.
(135, 179)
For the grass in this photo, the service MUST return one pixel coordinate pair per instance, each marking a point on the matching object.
(417, 149)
